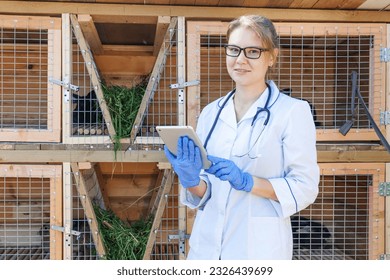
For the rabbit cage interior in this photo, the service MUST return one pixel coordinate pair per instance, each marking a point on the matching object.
(315, 64)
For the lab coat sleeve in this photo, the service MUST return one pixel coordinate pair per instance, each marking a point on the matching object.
(193, 201)
(299, 186)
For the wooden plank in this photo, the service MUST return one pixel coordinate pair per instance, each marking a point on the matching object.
(90, 33)
(387, 213)
(337, 4)
(139, 168)
(102, 184)
(125, 65)
(95, 79)
(88, 209)
(161, 29)
(113, 9)
(153, 204)
(375, 4)
(166, 185)
(29, 22)
(68, 210)
(125, 19)
(56, 207)
(130, 186)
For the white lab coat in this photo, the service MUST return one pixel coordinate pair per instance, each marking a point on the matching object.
(233, 224)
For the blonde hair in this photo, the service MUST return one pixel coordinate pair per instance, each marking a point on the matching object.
(262, 26)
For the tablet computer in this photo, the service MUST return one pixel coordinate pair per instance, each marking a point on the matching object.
(170, 135)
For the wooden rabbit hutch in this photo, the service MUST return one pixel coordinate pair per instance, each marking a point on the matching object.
(60, 157)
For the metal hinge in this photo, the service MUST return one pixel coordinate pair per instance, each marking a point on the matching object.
(185, 84)
(384, 257)
(181, 236)
(62, 229)
(384, 118)
(65, 85)
(384, 189)
(385, 54)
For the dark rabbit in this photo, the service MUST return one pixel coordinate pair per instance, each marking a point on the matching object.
(310, 234)
(86, 109)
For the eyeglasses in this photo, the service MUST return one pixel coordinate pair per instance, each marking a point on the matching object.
(249, 52)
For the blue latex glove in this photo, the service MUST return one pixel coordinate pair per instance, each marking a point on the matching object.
(227, 170)
(187, 163)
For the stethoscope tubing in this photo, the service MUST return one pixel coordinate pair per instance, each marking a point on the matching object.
(265, 109)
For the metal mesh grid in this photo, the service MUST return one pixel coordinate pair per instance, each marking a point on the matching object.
(339, 225)
(162, 106)
(24, 215)
(317, 68)
(168, 241)
(86, 115)
(83, 242)
(314, 64)
(24, 72)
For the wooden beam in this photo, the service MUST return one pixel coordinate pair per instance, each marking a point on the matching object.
(125, 65)
(161, 29)
(128, 50)
(15, 156)
(219, 13)
(90, 33)
(346, 154)
(125, 19)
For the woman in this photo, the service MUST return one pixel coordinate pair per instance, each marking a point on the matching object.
(262, 146)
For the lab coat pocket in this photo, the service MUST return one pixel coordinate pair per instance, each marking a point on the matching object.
(269, 238)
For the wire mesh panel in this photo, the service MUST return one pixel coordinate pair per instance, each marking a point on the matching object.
(84, 115)
(169, 241)
(83, 236)
(30, 57)
(159, 106)
(314, 64)
(29, 206)
(346, 220)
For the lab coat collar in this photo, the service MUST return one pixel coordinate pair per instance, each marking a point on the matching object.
(228, 114)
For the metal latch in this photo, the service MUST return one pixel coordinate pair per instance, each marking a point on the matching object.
(65, 85)
(384, 118)
(384, 189)
(181, 236)
(185, 84)
(384, 257)
(62, 229)
(385, 54)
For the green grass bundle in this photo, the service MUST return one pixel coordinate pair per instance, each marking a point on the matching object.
(121, 241)
(123, 104)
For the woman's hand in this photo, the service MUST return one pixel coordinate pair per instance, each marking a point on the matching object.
(227, 170)
(187, 163)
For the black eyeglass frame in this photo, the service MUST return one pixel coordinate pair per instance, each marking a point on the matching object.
(244, 49)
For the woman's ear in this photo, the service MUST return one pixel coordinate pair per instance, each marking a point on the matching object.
(273, 57)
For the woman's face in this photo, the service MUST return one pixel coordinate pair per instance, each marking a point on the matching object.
(245, 71)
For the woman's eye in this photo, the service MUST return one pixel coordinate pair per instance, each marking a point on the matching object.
(253, 51)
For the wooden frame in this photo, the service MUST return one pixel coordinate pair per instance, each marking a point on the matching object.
(54, 174)
(53, 131)
(376, 223)
(377, 69)
(71, 26)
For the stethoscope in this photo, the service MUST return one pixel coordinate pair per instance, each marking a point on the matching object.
(259, 110)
